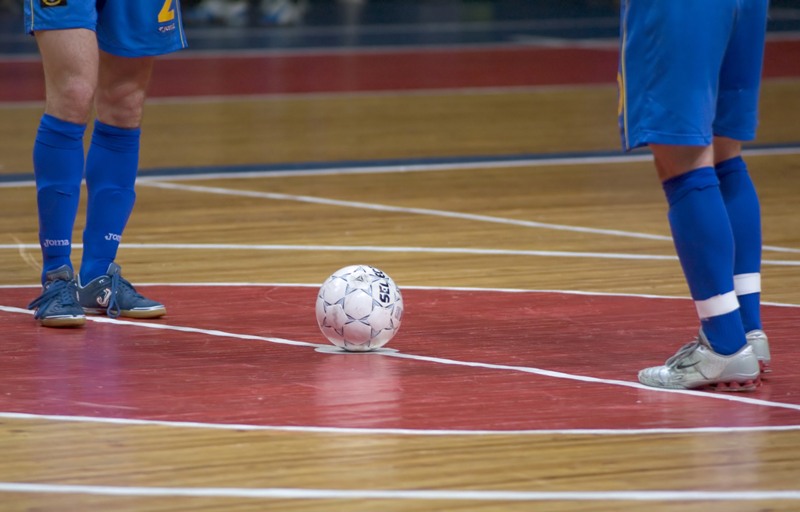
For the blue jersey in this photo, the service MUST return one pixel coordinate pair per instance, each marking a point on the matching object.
(128, 28)
(689, 70)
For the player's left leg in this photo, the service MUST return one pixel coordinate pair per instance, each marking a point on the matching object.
(111, 167)
(113, 158)
(129, 34)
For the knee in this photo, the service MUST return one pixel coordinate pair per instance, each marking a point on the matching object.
(671, 160)
(71, 99)
(120, 106)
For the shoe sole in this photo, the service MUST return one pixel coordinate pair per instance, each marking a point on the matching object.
(733, 387)
(130, 313)
(64, 321)
(150, 313)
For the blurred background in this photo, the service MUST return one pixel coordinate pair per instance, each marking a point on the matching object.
(229, 24)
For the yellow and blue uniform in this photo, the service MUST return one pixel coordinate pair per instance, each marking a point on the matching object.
(690, 70)
(127, 28)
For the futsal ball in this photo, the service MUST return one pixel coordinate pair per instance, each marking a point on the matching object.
(359, 308)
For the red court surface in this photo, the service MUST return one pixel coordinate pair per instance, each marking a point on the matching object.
(207, 362)
(232, 74)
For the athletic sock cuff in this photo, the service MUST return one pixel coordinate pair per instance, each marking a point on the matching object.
(57, 133)
(735, 164)
(698, 179)
(115, 138)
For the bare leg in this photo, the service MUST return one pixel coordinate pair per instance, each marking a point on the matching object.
(673, 161)
(725, 149)
(122, 89)
(70, 61)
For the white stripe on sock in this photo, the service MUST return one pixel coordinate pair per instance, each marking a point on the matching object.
(745, 284)
(716, 306)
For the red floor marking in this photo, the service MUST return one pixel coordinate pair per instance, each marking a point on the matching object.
(404, 69)
(120, 371)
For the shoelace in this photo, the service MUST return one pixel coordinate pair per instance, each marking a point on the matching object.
(60, 290)
(114, 310)
(118, 283)
(683, 352)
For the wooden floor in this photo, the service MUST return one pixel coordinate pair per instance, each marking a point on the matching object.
(538, 273)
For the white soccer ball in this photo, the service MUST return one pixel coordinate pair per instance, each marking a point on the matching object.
(359, 308)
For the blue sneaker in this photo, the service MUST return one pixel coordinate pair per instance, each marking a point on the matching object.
(58, 305)
(113, 295)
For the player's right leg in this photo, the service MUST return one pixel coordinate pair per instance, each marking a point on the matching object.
(736, 120)
(744, 212)
(68, 47)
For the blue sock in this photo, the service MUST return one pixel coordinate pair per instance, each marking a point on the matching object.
(111, 168)
(58, 170)
(704, 242)
(744, 212)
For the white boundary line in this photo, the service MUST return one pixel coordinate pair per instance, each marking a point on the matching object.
(423, 211)
(158, 182)
(431, 250)
(393, 431)
(383, 494)
(415, 287)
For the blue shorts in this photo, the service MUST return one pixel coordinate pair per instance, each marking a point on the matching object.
(690, 70)
(128, 28)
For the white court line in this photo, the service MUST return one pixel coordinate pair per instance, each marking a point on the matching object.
(398, 249)
(417, 287)
(157, 182)
(440, 360)
(412, 287)
(394, 431)
(364, 248)
(401, 209)
(380, 494)
(404, 250)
